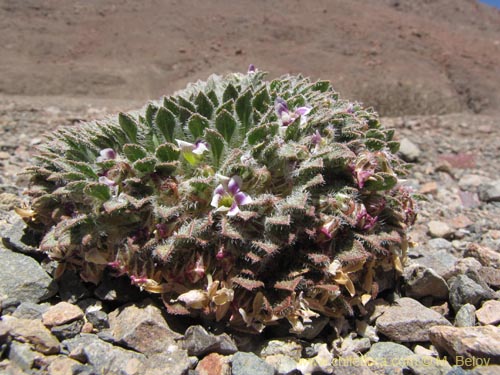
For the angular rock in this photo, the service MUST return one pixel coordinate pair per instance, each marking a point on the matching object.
(198, 342)
(408, 321)
(141, 327)
(464, 266)
(288, 347)
(314, 327)
(436, 244)
(439, 229)
(64, 366)
(486, 370)
(421, 281)
(61, 313)
(427, 365)
(214, 364)
(22, 356)
(15, 237)
(98, 318)
(466, 317)
(30, 310)
(441, 261)
(409, 151)
(249, 364)
(31, 331)
(468, 342)
(23, 279)
(350, 345)
(104, 357)
(322, 362)
(491, 276)
(283, 364)
(485, 256)
(489, 313)
(490, 192)
(472, 181)
(173, 361)
(387, 352)
(463, 289)
(67, 331)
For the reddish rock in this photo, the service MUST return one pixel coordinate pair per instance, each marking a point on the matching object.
(408, 321)
(62, 366)
(214, 364)
(485, 255)
(491, 276)
(476, 343)
(61, 313)
(460, 160)
(460, 222)
(31, 331)
(489, 313)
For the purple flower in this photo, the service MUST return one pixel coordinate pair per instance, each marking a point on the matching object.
(106, 181)
(106, 154)
(251, 68)
(364, 220)
(286, 116)
(316, 138)
(228, 196)
(192, 152)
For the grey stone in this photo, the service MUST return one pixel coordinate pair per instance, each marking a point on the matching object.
(67, 331)
(409, 151)
(16, 237)
(313, 328)
(22, 278)
(465, 316)
(490, 192)
(440, 244)
(408, 321)
(439, 229)
(479, 343)
(30, 310)
(141, 327)
(441, 261)
(283, 364)
(21, 355)
(98, 318)
(426, 365)
(388, 351)
(457, 370)
(104, 357)
(197, 341)
(421, 281)
(249, 364)
(463, 289)
(289, 347)
(471, 182)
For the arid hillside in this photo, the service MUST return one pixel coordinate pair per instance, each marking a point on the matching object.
(402, 57)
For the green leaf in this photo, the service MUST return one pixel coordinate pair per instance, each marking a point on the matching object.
(216, 142)
(204, 105)
(383, 181)
(213, 97)
(98, 190)
(197, 125)
(184, 114)
(170, 104)
(374, 144)
(151, 110)
(225, 124)
(227, 106)
(322, 86)
(261, 100)
(389, 134)
(129, 126)
(292, 131)
(229, 93)
(165, 121)
(375, 133)
(83, 167)
(134, 151)
(259, 133)
(167, 152)
(393, 146)
(244, 109)
(186, 104)
(145, 165)
(166, 168)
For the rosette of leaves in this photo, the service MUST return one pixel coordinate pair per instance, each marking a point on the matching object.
(244, 200)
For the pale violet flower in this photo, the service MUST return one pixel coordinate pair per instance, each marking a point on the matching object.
(192, 152)
(106, 154)
(286, 116)
(228, 196)
(106, 181)
(251, 68)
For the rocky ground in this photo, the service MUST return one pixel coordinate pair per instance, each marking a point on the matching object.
(443, 317)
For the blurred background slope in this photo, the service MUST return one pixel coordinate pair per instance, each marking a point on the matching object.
(402, 57)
